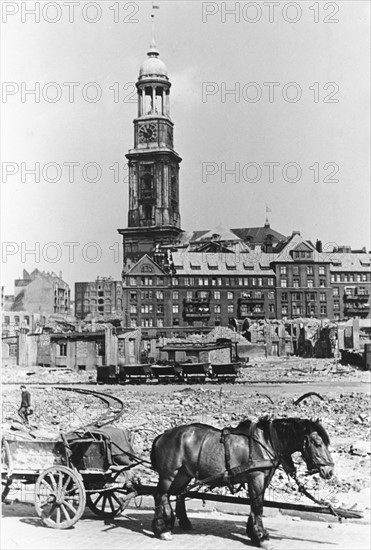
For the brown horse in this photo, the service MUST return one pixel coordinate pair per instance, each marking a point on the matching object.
(249, 453)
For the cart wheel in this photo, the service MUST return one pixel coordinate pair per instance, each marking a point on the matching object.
(109, 504)
(60, 497)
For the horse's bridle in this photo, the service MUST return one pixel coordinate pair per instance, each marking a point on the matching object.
(307, 445)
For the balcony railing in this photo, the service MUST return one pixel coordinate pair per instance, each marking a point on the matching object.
(357, 296)
(147, 195)
(196, 308)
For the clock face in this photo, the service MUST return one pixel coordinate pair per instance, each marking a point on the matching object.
(147, 132)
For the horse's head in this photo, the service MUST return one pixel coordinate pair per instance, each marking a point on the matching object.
(316, 452)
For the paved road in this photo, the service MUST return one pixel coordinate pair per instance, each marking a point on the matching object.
(22, 530)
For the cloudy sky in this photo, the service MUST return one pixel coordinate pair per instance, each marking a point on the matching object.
(270, 105)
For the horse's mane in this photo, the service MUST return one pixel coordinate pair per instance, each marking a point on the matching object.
(288, 426)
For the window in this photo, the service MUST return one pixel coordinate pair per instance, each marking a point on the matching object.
(271, 308)
(270, 281)
(146, 281)
(133, 323)
(321, 269)
(159, 295)
(160, 322)
(296, 283)
(175, 282)
(160, 281)
(240, 281)
(147, 323)
(175, 308)
(132, 281)
(309, 270)
(13, 350)
(270, 295)
(27, 319)
(284, 310)
(189, 295)
(7, 320)
(100, 349)
(175, 295)
(133, 308)
(253, 281)
(358, 278)
(322, 297)
(260, 281)
(258, 294)
(216, 294)
(335, 291)
(230, 295)
(351, 278)
(146, 308)
(322, 283)
(16, 319)
(284, 296)
(62, 349)
(332, 278)
(295, 270)
(217, 308)
(310, 283)
(160, 308)
(323, 310)
(283, 270)
(362, 291)
(133, 296)
(336, 305)
(203, 294)
(284, 283)
(146, 294)
(364, 277)
(230, 308)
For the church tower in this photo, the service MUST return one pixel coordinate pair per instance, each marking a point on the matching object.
(154, 217)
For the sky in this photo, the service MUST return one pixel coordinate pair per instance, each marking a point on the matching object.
(270, 102)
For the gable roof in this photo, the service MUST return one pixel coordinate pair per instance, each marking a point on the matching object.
(145, 261)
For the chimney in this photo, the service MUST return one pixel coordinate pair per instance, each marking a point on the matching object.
(319, 246)
(295, 232)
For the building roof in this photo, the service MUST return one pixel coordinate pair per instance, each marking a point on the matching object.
(218, 263)
(342, 261)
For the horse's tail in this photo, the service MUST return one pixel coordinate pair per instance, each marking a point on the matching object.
(153, 453)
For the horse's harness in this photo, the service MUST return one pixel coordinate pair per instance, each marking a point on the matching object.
(260, 457)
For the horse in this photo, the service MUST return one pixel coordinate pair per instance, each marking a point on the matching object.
(249, 453)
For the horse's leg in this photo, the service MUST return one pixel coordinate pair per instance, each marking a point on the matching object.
(179, 484)
(163, 522)
(254, 528)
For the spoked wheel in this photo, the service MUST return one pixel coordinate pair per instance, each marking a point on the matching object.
(108, 504)
(60, 497)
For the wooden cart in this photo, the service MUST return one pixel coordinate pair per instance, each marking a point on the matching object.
(67, 477)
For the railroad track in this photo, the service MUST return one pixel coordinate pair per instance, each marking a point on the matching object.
(115, 406)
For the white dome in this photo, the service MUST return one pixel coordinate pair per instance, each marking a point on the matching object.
(153, 66)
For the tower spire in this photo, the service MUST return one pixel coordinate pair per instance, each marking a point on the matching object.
(153, 48)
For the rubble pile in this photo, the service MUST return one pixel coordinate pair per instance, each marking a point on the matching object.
(149, 413)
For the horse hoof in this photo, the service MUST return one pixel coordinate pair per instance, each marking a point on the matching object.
(267, 545)
(166, 536)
